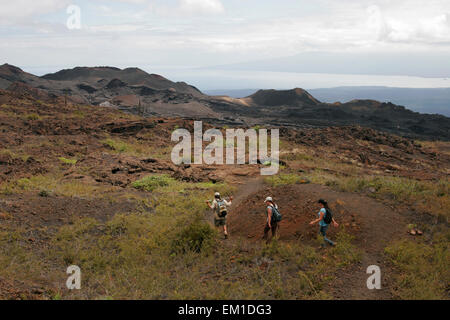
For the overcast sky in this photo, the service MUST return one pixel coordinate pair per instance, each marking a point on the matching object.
(196, 33)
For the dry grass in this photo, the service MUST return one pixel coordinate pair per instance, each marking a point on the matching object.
(15, 154)
(426, 196)
(133, 147)
(436, 146)
(55, 184)
(174, 254)
(169, 252)
(423, 268)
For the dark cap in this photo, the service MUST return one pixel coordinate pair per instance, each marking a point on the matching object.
(322, 202)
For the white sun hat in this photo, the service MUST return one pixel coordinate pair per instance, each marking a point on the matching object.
(268, 199)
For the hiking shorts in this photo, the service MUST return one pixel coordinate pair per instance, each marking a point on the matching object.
(219, 222)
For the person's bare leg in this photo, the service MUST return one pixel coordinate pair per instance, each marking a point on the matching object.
(225, 231)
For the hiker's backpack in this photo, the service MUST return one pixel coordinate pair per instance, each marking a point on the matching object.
(328, 217)
(222, 209)
(276, 215)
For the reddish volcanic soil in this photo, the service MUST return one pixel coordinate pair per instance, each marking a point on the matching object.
(298, 204)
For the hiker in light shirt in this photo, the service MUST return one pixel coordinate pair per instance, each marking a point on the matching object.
(219, 207)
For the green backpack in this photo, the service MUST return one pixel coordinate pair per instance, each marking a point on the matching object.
(276, 215)
(222, 210)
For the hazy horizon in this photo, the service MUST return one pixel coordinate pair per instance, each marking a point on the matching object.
(215, 79)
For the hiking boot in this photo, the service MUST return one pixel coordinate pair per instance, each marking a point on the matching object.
(225, 236)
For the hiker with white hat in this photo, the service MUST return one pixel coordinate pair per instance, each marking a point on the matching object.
(219, 206)
(273, 219)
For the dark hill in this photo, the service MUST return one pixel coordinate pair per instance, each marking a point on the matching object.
(292, 97)
(131, 76)
(10, 74)
(81, 73)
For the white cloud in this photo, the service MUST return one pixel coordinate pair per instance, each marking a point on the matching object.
(133, 1)
(201, 6)
(202, 32)
(416, 27)
(21, 10)
(187, 8)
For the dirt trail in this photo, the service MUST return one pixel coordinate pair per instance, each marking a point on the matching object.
(372, 223)
(247, 188)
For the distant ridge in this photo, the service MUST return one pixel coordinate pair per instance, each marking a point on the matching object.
(139, 92)
(131, 76)
(423, 100)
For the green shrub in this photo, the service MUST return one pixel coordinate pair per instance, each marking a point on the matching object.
(118, 146)
(68, 161)
(44, 193)
(285, 179)
(79, 114)
(23, 184)
(151, 183)
(195, 237)
(32, 116)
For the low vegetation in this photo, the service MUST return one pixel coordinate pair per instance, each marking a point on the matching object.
(423, 268)
(174, 254)
(166, 184)
(55, 184)
(428, 197)
(133, 147)
(68, 161)
(151, 183)
(169, 251)
(285, 179)
(15, 154)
